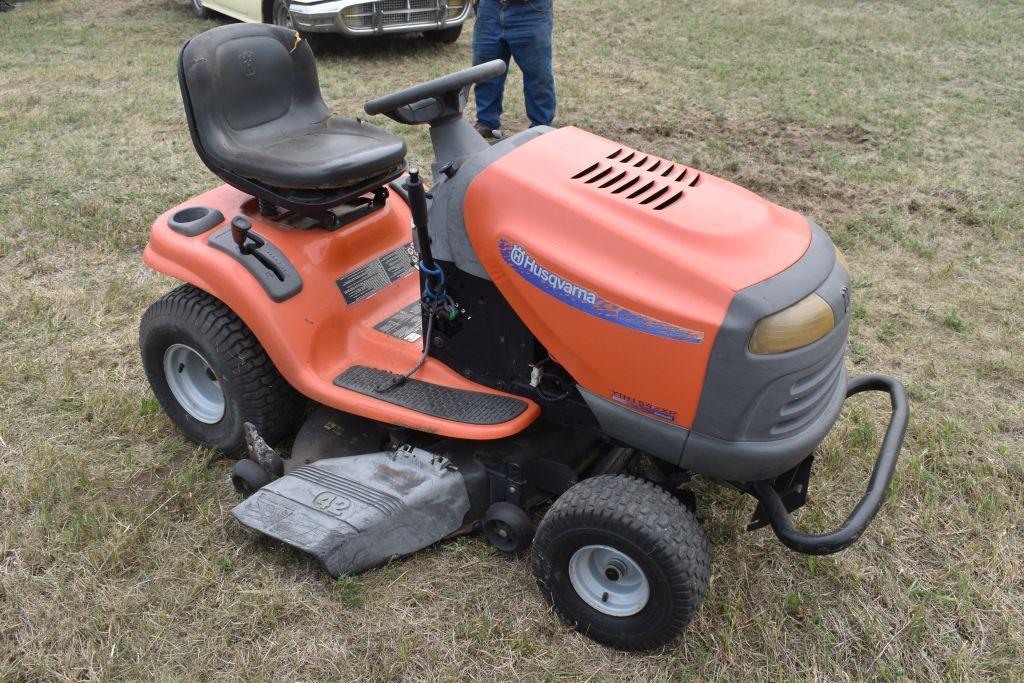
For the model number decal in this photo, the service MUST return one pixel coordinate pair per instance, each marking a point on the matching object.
(644, 406)
(587, 301)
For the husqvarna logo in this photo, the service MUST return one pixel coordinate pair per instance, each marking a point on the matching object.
(583, 299)
(525, 263)
(248, 62)
(517, 255)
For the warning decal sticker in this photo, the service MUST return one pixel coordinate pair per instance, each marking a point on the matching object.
(405, 324)
(368, 279)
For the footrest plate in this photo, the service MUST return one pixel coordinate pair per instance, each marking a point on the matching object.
(448, 403)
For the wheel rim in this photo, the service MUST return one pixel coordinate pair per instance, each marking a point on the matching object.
(502, 536)
(194, 384)
(609, 580)
(282, 17)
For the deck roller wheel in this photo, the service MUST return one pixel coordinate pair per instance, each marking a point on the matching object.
(248, 477)
(508, 527)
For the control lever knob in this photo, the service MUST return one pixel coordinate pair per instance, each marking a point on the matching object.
(240, 227)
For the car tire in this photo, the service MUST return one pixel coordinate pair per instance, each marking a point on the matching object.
(200, 10)
(280, 16)
(211, 375)
(446, 36)
(622, 562)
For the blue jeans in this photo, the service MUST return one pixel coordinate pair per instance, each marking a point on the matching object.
(521, 31)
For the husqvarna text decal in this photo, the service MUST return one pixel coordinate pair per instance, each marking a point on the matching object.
(585, 300)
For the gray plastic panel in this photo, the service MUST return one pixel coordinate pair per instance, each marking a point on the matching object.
(358, 512)
(652, 436)
(457, 405)
(449, 239)
(745, 395)
(194, 220)
(277, 288)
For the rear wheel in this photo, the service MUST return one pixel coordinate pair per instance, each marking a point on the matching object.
(199, 10)
(622, 561)
(211, 375)
(446, 36)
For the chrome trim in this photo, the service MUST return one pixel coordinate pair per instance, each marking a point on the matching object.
(325, 17)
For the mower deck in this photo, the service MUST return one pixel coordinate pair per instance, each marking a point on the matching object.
(357, 512)
(348, 319)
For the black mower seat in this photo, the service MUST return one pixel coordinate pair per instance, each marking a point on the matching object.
(256, 113)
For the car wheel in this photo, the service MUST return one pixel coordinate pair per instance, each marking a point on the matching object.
(281, 16)
(199, 10)
(446, 36)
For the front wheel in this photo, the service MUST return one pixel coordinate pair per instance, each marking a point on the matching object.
(447, 36)
(199, 10)
(211, 375)
(281, 15)
(622, 561)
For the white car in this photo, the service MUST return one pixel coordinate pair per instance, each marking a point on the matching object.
(438, 19)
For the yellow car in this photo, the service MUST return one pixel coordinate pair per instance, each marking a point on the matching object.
(441, 20)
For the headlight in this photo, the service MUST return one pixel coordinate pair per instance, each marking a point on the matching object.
(806, 321)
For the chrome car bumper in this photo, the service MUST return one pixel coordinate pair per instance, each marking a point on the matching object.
(376, 17)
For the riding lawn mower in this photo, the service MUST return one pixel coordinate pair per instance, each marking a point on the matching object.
(557, 320)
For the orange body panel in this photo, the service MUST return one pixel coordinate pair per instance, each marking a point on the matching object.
(626, 288)
(314, 336)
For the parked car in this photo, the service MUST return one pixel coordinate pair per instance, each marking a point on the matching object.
(440, 20)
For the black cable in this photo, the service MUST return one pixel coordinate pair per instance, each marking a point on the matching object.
(401, 379)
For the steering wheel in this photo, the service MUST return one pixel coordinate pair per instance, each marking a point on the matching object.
(440, 99)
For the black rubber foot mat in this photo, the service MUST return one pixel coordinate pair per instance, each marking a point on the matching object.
(457, 405)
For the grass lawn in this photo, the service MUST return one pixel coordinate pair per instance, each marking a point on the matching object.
(896, 125)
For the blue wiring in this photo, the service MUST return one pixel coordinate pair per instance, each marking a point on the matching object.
(439, 291)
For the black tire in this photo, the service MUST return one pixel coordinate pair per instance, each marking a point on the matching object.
(248, 477)
(280, 16)
(508, 527)
(199, 10)
(253, 389)
(446, 36)
(645, 523)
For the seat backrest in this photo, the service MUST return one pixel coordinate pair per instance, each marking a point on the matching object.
(240, 78)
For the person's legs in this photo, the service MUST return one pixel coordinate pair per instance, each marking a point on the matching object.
(528, 32)
(488, 44)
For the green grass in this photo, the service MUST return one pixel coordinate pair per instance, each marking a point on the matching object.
(896, 126)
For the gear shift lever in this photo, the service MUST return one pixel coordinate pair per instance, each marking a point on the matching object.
(240, 227)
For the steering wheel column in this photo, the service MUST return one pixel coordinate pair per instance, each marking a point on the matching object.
(439, 103)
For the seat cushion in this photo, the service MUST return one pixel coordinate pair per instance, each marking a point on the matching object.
(328, 154)
(257, 112)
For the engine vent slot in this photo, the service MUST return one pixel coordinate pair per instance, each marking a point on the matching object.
(594, 178)
(652, 197)
(637, 193)
(645, 179)
(588, 170)
(626, 185)
(670, 201)
(615, 179)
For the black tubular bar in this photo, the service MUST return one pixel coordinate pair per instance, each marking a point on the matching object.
(878, 485)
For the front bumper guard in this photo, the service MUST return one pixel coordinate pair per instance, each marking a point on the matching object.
(775, 511)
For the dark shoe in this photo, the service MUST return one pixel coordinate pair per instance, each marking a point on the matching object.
(492, 135)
